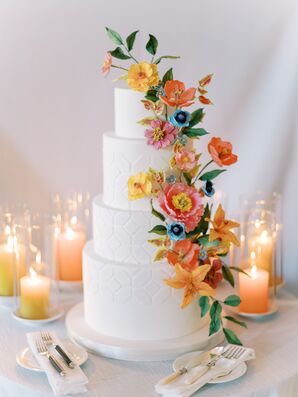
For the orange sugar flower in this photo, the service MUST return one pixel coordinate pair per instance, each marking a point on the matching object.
(191, 282)
(185, 253)
(176, 95)
(221, 152)
(222, 228)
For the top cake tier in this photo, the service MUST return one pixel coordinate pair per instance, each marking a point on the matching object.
(128, 111)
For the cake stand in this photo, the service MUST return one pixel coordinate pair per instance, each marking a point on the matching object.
(132, 350)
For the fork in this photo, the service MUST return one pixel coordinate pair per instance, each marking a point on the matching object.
(48, 340)
(232, 352)
(43, 351)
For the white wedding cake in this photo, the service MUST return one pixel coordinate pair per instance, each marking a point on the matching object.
(124, 293)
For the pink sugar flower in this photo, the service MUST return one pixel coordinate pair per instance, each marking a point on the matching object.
(182, 203)
(160, 134)
(106, 66)
(186, 160)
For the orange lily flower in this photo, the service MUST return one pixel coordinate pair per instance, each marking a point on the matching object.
(221, 228)
(204, 100)
(176, 95)
(192, 282)
(205, 80)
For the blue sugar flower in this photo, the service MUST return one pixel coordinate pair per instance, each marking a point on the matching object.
(180, 118)
(176, 231)
(203, 254)
(208, 189)
(183, 140)
(171, 179)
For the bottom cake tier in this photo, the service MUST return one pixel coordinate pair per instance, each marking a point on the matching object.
(131, 301)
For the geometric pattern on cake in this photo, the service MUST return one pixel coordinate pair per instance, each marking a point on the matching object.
(123, 158)
(119, 292)
(124, 293)
(122, 235)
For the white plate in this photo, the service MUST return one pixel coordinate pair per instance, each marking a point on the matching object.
(70, 286)
(26, 359)
(240, 370)
(136, 350)
(54, 315)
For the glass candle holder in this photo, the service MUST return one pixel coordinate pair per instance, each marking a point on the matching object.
(73, 225)
(12, 253)
(257, 283)
(271, 202)
(38, 296)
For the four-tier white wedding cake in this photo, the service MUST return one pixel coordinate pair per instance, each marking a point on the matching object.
(124, 293)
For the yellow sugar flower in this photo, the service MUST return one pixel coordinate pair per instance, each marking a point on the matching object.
(139, 186)
(141, 76)
(192, 282)
(221, 228)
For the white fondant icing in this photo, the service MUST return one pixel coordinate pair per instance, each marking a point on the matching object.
(123, 158)
(131, 301)
(122, 235)
(128, 111)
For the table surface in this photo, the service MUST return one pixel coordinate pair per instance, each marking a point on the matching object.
(274, 373)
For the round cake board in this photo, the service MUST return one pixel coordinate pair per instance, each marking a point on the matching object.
(131, 350)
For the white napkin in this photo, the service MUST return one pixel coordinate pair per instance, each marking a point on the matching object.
(179, 387)
(73, 382)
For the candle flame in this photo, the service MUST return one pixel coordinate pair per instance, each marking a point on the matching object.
(74, 220)
(257, 224)
(253, 272)
(264, 237)
(7, 230)
(10, 243)
(38, 257)
(69, 233)
(33, 273)
(253, 255)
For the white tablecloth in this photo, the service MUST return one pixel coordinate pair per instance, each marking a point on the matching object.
(273, 374)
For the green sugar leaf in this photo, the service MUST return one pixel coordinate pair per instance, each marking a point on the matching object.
(130, 40)
(152, 44)
(114, 36)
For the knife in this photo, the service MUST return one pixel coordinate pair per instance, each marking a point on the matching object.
(194, 362)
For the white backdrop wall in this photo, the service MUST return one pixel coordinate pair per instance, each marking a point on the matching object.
(54, 103)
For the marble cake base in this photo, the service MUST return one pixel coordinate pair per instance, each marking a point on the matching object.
(131, 350)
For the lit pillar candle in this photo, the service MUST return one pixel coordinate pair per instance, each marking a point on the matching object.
(262, 245)
(12, 258)
(254, 290)
(70, 246)
(35, 294)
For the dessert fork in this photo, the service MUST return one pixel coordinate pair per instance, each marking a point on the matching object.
(43, 351)
(232, 352)
(48, 340)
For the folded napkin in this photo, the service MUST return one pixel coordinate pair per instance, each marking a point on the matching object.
(180, 386)
(73, 382)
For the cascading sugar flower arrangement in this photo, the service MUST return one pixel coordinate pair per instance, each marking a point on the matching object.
(189, 237)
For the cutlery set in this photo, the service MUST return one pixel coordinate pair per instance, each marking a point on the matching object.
(42, 345)
(204, 362)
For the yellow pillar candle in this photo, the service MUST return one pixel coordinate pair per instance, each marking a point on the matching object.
(70, 246)
(254, 290)
(12, 258)
(35, 293)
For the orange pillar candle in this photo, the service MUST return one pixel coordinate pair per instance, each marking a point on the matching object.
(253, 290)
(70, 246)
